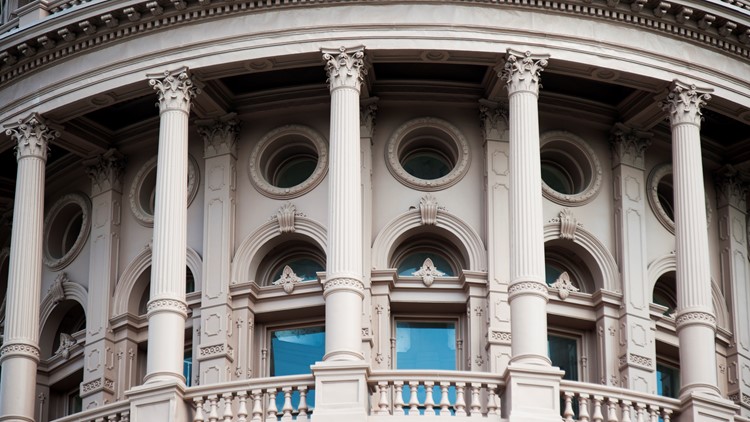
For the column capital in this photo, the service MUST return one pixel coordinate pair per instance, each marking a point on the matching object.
(629, 146)
(345, 67)
(368, 110)
(493, 119)
(32, 136)
(175, 89)
(522, 71)
(731, 188)
(105, 171)
(220, 135)
(684, 103)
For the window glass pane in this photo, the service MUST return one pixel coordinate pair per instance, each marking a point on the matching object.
(557, 178)
(426, 345)
(304, 268)
(413, 263)
(295, 171)
(667, 381)
(563, 352)
(294, 350)
(552, 273)
(427, 165)
(187, 367)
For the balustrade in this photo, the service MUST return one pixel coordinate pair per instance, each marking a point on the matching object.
(584, 402)
(115, 412)
(258, 400)
(435, 393)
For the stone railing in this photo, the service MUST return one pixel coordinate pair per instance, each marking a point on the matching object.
(262, 399)
(115, 412)
(599, 403)
(454, 393)
(58, 6)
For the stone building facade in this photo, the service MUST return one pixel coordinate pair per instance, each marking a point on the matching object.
(350, 210)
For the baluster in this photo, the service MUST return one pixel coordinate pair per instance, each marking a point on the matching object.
(198, 409)
(583, 408)
(568, 411)
(399, 400)
(445, 403)
(429, 401)
(257, 406)
(476, 405)
(242, 409)
(667, 415)
(112, 418)
(227, 400)
(100, 419)
(597, 416)
(382, 391)
(213, 414)
(641, 417)
(654, 413)
(287, 409)
(612, 414)
(302, 408)
(271, 410)
(413, 399)
(626, 405)
(492, 408)
(125, 416)
(460, 401)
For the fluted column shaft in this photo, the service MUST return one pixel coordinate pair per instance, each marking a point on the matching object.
(20, 352)
(167, 310)
(528, 289)
(343, 288)
(696, 324)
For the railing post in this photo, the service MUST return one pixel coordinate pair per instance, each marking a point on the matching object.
(460, 400)
(413, 400)
(242, 409)
(257, 406)
(597, 416)
(626, 405)
(198, 409)
(213, 413)
(445, 403)
(612, 415)
(492, 408)
(568, 411)
(476, 405)
(583, 406)
(382, 389)
(641, 409)
(287, 409)
(398, 401)
(227, 402)
(302, 408)
(271, 410)
(429, 402)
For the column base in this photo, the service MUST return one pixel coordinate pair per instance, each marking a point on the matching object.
(700, 407)
(341, 393)
(158, 402)
(532, 393)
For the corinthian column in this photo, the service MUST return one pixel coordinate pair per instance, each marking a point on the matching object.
(696, 324)
(528, 288)
(167, 310)
(343, 288)
(20, 352)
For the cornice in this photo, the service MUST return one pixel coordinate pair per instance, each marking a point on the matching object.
(719, 25)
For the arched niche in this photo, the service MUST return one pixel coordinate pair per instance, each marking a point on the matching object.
(256, 246)
(133, 278)
(667, 263)
(61, 290)
(446, 225)
(598, 260)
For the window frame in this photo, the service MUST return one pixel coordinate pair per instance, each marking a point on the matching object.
(264, 357)
(461, 334)
(582, 345)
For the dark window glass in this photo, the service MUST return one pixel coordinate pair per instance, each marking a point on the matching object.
(305, 269)
(295, 171)
(557, 178)
(187, 367)
(427, 165)
(552, 273)
(563, 352)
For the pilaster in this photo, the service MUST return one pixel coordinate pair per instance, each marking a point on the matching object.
(99, 372)
(695, 320)
(731, 198)
(494, 123)
(19, 354)
(217, 340)
(343, 288)
(167, 309)
(368, 108)
(637, 357)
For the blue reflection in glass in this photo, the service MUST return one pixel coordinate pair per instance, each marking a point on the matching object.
(413, 263)
(426, 345)
(187, 367)
(292, 352)
(304, 268)
(667, 381)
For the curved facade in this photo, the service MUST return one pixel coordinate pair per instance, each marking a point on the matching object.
(516, 210)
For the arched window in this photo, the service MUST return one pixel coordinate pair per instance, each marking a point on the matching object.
(664, 293)
(564, 268)
(427, 254)
(145, 295)
(291, 262)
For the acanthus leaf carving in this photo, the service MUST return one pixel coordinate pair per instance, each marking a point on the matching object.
(345, 67)
(220, 136)
(629, 146)
(428, 272)
(285, 217)
(564, 285)
(105, 171)
(493, 120)
(288, 279)
(522, 71)
(32, 136)
(684, 103)
(175, 89)
(428, 209)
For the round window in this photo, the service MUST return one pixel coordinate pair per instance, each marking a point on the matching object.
(427, 154)
(143, 190)
(571, 173)
(66, 229)
(288, 162)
